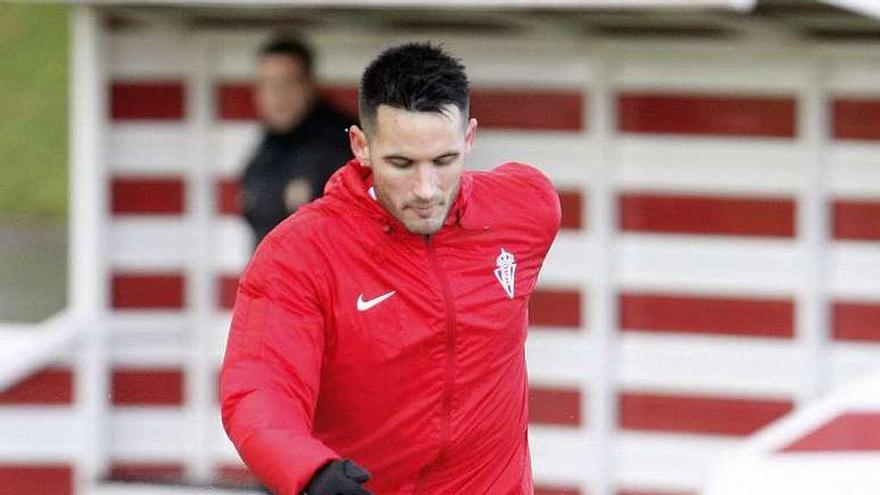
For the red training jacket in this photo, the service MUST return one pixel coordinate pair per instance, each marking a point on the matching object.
(353, 338)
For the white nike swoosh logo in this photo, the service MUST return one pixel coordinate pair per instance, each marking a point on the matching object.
(365, 305)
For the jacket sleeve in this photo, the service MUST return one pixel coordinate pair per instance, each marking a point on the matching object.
(271, 371)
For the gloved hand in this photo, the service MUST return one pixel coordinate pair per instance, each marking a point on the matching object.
(340, 477)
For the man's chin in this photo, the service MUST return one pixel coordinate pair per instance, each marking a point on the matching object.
(423, 227)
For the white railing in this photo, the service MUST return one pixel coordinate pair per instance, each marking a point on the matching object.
(27, 347)
(763, 465)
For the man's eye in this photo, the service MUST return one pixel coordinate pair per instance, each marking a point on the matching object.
(444, 161)
(401, 164)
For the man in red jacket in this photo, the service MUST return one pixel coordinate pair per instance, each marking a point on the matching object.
(377, 340)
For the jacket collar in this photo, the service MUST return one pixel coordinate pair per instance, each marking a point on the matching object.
(352, 182)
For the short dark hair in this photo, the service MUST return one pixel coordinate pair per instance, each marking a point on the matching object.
(290, 47)
(418, 77)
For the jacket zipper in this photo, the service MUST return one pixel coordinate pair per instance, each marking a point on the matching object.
(449, 383)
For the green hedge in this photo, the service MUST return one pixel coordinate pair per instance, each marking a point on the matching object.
(33, 108)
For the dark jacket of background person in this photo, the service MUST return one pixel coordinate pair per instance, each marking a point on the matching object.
(291, 168)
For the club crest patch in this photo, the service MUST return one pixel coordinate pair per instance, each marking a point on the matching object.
(506, 272)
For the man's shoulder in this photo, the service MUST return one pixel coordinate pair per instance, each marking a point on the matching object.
(513, 176)
(306, 228)
(520, 193)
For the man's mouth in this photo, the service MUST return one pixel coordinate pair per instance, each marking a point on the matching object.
(425, 211)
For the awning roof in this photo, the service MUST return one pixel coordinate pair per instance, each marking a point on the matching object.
(828, 20)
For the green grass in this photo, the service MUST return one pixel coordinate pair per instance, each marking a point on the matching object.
(33, 110)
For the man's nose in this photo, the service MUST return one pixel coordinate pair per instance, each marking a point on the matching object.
(426, 183)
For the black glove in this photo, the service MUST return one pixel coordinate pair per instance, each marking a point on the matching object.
(340, 477)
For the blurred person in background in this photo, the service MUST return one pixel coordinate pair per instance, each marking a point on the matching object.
(377, 339)
(304, 138)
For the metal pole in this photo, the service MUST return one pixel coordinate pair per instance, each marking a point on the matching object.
(200, 371)
(603, 307)
(813, 326)
(87, 283)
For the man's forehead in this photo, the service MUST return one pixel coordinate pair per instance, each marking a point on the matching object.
(395, 118)
(280, 61)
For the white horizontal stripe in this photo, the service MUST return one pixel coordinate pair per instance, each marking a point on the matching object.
(560, 454)
(148, 434)
(850, 361)
(711, 365)
(149, 338)
(854, 77)
(666, 461)
(145, 243)
(234, 52)
(730, 74)
(232, 145)
(556, 359)
(139, 148)
(222, 449)
(149, 54)
(722, 265)
(811, 473)
(39, 434)
(854, 269)
(711, 165)
(163, 347)
(342, 56)
(566, 157)
(233, 241)
(854, 170)
(569, 260)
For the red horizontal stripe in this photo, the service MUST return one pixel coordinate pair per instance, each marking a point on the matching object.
(147, 387)
(856, 220)
(141, 291)
(528, 109)
(147, 196)
(130, 386)
(754, 116)
(228, 202)
(161, 100)
(555, 308)
(555, 406)
(236, 475)
(495, 108)
(849, 432)
(856, 119)
(857, 322)
(36, 479)
(50, 386)
(660, 213)
(227, 287)
(571, 202)
(345, 98)
(146, 471)
(556, 490)
(707, 315)
(696, 414)
(236, 100)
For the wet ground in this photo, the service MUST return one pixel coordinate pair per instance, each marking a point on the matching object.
(33, 268)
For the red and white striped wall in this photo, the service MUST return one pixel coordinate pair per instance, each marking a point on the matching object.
(717, 264)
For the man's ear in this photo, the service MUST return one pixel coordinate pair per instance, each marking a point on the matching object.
(360, 147)
(470, 134)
